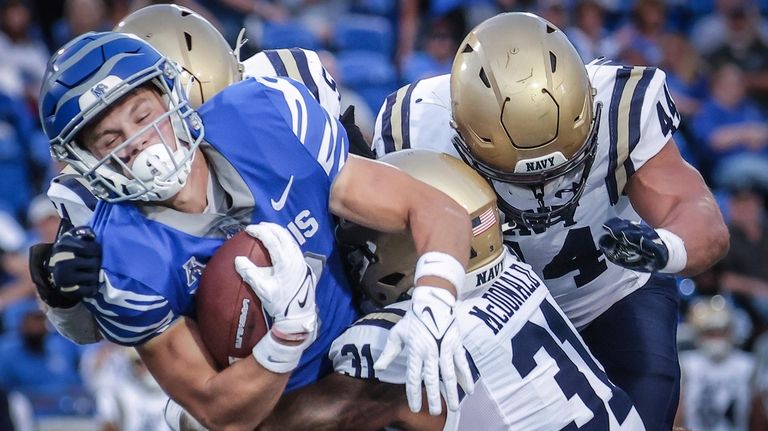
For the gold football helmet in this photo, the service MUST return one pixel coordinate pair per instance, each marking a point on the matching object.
(522, 105)
(710, 314)
(209, 64)
(388, 271)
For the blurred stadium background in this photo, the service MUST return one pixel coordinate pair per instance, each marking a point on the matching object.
(715, 54)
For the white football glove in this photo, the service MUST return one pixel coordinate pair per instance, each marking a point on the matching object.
(433, 348)
(287, 293)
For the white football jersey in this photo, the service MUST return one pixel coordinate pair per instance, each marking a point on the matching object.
(531, 368)
(70, 193)
(638, 118)
(717, 396)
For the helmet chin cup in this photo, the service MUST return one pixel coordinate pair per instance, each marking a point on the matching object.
(166, 172)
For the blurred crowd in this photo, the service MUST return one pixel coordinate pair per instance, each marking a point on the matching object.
(715, 54)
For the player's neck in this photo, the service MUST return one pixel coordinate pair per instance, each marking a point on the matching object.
(193, 197)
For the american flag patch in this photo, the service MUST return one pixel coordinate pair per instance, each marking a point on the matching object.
(485, 221)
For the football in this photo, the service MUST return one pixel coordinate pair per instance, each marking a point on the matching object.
(229, 314)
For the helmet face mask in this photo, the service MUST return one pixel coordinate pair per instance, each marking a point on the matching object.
(523, 109)
(112, 66)
(546, 190)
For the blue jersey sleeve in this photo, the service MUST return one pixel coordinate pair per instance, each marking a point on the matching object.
(322, 135)
(130, 314)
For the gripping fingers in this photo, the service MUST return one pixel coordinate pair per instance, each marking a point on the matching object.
(413, 374)
(391, 349)
(463, 372)
(432, 382)
(448, 372)
(253, 275)
(265, 232)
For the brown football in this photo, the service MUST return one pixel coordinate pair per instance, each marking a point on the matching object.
(229, 314)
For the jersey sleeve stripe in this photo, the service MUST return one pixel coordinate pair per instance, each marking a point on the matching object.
(384, 318)
(302, 65)
(386, 123)
(627, 79)
(277, 62)
(405, 114)
(622, 75)
(635, 109)
(77, 187)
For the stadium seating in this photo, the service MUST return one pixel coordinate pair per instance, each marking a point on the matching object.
(359, 69)
(288, 35)
(364, 33)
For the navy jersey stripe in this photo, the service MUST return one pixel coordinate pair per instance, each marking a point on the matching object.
(386, 124)
(622, 76)
(635, 109)
(405, 111)
(277, 62)
(72, 183)
(381, 323)
(301, 63)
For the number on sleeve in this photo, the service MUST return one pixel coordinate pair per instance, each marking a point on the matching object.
(357, 364)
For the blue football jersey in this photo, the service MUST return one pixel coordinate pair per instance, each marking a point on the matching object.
(273, 152)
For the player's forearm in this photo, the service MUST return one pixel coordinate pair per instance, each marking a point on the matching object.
(237, 398)
(377, 196)
(700, 225)
(240, 397)
(443, 226)
(669, 193)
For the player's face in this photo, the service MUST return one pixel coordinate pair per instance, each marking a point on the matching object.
(131, 118)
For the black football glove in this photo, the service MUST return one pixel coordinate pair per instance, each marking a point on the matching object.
(75, 263)
(39, 254)
(633, 245)
(357, 143)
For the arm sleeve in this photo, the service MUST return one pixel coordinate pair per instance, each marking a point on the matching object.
(388, 130)
(72, 198)
(659, 119)
(303, 66)
(417, 115)
(75, 324)
(321, 134)
(641, 119)
(355, 351)
(128, 312)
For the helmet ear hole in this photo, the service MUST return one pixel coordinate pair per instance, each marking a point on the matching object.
(484, 78)
(392, 279)
(552, 61)
(188, 40)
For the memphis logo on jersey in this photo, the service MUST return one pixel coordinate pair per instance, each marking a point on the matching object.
(485, 221)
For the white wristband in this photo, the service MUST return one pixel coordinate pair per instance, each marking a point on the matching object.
(277, 357)
(179, 419)
(443, 265)
(678, 257)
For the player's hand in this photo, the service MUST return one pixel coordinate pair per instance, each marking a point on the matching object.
(287, 288)
(633, 245)
(433, 348)
(357, 143)
(75, 263)
(39, 254)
